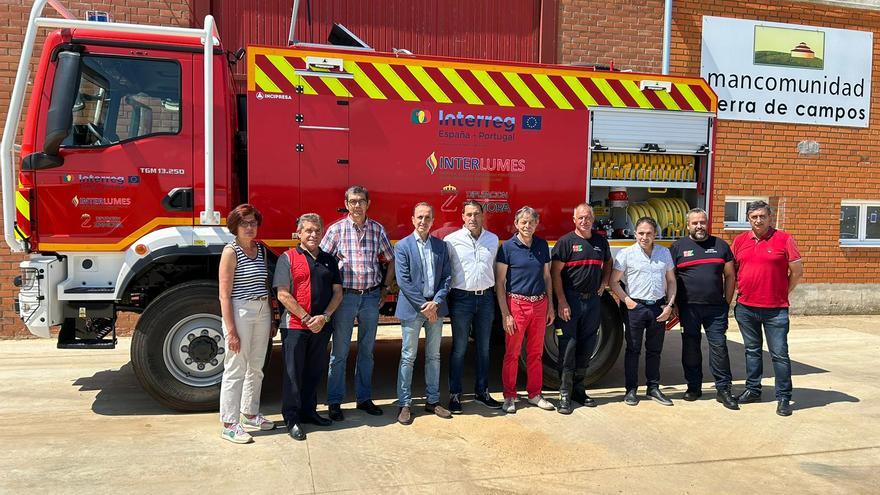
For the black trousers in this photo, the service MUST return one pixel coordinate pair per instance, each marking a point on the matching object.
(577, 341)
(305, 364)
(641, 322)
(712, 318)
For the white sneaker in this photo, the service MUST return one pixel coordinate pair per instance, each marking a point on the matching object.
(541, 402)
(509, 405)
(258, 422)
(235, 434)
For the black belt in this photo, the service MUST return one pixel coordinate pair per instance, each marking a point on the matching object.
(476, 292)
(360, 291)
(650, 302)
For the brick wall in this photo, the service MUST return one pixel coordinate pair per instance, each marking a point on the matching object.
(15, 14)
(754, 159)
(626, 32)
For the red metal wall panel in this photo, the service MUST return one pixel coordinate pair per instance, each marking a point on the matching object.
(485, 29)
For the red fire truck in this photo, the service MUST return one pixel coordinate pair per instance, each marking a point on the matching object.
(124, 175)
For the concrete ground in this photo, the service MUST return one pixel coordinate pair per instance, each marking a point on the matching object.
(77, 421)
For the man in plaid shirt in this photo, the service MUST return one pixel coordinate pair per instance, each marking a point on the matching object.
(360, 244)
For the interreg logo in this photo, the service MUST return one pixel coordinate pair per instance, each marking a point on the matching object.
(420, 116)
(475, 164)
(461, 119)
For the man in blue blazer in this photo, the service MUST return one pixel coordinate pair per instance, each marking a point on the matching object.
(424, 275)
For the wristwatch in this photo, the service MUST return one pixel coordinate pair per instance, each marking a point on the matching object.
(326, 316)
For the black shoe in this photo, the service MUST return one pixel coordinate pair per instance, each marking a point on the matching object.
(727, 399)
(631, 399)
(784, 408)
(487, 400)
(585, 400)
(658, 396)
(748, 396)
(336, 412)
(564, 406)
(296, 432)
(692, 395)
(455, 403)
(316, 419)
(368, 407)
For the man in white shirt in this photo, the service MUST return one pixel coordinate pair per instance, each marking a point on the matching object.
(648, 271)
(472, 251)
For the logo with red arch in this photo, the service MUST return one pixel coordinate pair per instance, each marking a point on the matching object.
(420, 116)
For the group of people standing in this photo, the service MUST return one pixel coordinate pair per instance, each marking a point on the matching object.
(334, 278)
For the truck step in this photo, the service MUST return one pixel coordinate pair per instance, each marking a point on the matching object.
(87, 344)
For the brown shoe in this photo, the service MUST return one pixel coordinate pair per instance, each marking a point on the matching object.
(438, 410)
(405, 416)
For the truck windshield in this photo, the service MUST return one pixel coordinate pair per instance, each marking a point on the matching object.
(122, 98)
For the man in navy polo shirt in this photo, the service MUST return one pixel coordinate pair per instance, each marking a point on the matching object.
(580, 271)
(310, 288)
(706, 280)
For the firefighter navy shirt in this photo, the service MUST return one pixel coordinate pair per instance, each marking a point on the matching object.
(699, 269)
(583, 259)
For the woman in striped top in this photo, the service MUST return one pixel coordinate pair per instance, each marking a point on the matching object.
(247, 325)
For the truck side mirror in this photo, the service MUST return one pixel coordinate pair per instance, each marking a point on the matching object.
(59, 119)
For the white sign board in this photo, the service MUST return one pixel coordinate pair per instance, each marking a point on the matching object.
(772, 72)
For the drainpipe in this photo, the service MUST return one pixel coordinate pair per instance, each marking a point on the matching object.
(667, 34)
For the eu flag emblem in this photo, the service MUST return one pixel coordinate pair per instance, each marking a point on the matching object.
(531, 122)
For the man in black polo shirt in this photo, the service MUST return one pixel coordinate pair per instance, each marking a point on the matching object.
(580, 271)
(706, 282)
(310, 288)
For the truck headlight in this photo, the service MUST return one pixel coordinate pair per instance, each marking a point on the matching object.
(28, 277)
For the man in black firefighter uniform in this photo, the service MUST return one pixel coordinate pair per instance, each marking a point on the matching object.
(706, 278)
(580, 271)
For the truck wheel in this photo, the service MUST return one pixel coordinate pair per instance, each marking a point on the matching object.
(604, 355)
(178, 346)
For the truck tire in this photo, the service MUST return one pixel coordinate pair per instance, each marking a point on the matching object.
(603, 357)
(178, 346)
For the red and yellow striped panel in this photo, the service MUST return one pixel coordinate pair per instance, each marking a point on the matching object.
(272, 70)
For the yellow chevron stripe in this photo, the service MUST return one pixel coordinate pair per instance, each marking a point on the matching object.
(430, 86)
(667, 100)
(263, 82)
(609, 93)
(22, 205)
(336, 87)
(691, 98)
(494, 91)
(363, 81)
(283, 67)
(396, 82)
(553, 91)
(458, 83)
(124, 243)
(636, 94)
(307, 88)
(523, 90)
(579, 90)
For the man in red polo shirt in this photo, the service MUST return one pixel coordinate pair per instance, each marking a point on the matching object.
(768, 269)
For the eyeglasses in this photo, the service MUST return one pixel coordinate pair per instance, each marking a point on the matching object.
(357, 202)
(247, 224)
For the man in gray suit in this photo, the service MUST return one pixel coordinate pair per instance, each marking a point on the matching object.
(424, 274)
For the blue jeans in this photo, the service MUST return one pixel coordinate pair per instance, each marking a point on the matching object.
(366, 308)
(469, 311)
(408, 351)
(775, 323)
(713, 318)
